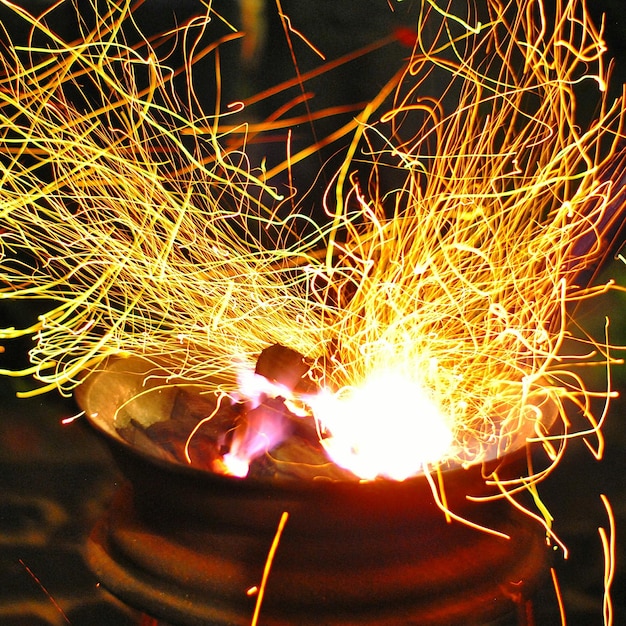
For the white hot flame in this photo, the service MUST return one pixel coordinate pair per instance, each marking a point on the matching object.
(255, 388)
(387, 427)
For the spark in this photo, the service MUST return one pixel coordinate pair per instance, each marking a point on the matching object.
(46, 592)
(454, 18)
(72, 418)
(608, 546)
(267, 568)
(457, 229)
(288, 26)
(559, 596)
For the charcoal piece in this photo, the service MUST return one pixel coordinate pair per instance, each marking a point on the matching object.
(281, 365)
(282, 446)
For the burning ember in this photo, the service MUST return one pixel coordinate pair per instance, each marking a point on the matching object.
(423, 321)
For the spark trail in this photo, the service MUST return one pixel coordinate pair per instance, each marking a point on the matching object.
(144, 223)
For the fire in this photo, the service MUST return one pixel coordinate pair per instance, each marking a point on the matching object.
(433, 299)
(264, 427)
(386, 427)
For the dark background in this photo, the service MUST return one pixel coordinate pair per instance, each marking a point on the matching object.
(56, 480)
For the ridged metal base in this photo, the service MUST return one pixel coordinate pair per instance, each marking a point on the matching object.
(344, 558)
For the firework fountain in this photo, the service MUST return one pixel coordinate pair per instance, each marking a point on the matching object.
(400, 350)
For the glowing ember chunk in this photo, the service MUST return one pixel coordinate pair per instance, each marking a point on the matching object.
(388, 427)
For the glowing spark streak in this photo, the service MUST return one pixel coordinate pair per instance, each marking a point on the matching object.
(608, 546)
(442, 494)
(42, 587)
(268, 565)
(534, 492)
(287, 28)
(290, 29)
(455, 516)
(597, 424)
(201, 423)
(277, 122)
(496, 194)
(545, 523)
(318, 71)
(559, 596)
(360, 125)
(472, 29)
(73, 418)
(311, 150)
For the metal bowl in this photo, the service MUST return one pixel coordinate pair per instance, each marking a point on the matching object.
(185, 544)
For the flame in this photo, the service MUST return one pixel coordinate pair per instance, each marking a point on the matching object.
(254, 388)
(386, 427)
(265, 426)
(453, 239)
(433, 300)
